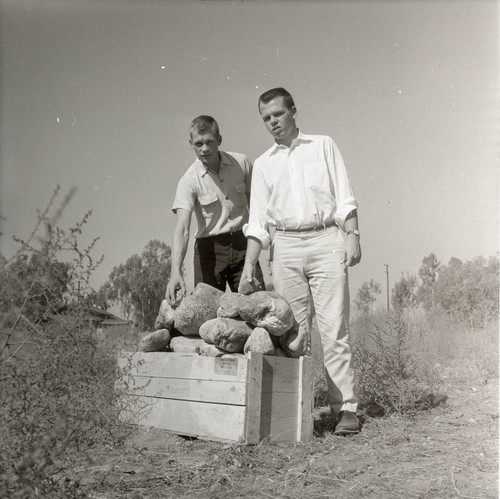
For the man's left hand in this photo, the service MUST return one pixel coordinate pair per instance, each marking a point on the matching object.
(352, 250)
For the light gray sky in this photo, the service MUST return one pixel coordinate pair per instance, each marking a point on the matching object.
(99, 95)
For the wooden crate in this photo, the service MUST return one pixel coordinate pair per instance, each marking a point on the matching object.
(230, 398)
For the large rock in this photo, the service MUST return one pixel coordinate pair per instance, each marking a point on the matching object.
(158, 340)
(165, 318)
(247, 288)
(294, 342)
(259, 341)
(229, 304)
(196, 309)
(186, 344)
(269, 310)
(226, 333)
(211, 350)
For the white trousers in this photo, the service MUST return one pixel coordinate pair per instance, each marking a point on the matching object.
(310, 265)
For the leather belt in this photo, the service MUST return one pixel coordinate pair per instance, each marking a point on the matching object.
(308, 229)
(224, 238)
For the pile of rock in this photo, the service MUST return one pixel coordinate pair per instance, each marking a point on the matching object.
(210, 322)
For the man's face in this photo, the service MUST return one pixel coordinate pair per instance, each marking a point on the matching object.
(206, 146)
(279, 119)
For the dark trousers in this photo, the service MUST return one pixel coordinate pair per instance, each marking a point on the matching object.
(219, 260)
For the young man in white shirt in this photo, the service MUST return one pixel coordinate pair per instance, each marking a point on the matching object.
(301, 192)
(216, 187)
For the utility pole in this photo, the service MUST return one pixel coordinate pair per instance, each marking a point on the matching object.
(387, 275)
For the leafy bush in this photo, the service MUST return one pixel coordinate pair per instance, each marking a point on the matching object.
(390, 376)
(58, 387)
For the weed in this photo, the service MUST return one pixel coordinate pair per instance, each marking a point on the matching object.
(390, 376)
(58, 386)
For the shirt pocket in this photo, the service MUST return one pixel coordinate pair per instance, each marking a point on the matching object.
(316, 176)
(208, 204)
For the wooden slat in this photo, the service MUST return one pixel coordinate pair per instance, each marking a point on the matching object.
(222, 422)
(279, 417)
(305, 401)
(219, 392)
(253, 400)
(280, 381)
(280, 374)
(183, 365)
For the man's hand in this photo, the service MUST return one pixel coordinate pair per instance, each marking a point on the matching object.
(176, 290)
(248, 284)
(352, 250)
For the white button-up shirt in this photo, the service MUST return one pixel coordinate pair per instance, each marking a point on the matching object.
(219, 201)
(300, 187)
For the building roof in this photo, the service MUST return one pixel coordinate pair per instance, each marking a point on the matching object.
(114, 322)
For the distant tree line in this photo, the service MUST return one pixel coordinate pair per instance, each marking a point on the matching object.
(40, 284)
(467, 290)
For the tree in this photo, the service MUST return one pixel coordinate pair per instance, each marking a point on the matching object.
(428, 273)
(138, 285)
(469, 290)
(404, 293)
(367, 295)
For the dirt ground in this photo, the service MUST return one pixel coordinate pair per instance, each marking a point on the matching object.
(448, 451)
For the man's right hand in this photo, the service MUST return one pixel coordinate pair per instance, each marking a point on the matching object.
(248, 284)
(176, 290)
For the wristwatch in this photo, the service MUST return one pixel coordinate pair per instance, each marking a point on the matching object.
(353, 231)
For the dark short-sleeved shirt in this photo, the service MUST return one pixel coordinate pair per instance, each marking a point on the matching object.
(219, 201)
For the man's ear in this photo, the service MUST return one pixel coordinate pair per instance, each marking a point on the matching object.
(294, 112)
(219, 139)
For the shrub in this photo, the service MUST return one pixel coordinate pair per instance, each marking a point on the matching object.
(390, 376)
(58, 386)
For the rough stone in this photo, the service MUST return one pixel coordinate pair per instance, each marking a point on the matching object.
(186, 344)
(294, 342)
(269, 310)
(259, 341)
(165, 318)
(226, 333)
(196, 309)
(229, 305)
(248, 288)
(157, 340)
(208, 350)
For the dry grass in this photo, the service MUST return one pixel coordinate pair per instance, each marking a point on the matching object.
(448, 451)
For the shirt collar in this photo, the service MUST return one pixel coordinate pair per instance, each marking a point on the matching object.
(224, 161)
(301, 137)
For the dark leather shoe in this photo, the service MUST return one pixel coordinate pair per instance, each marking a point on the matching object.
(347, 424)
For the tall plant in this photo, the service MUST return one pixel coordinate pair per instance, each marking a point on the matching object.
(57, 386)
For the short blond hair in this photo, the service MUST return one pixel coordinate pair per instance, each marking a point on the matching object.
(204, 124)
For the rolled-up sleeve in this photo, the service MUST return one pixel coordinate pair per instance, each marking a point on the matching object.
(184, 195)
(257, 225)
(344, 197)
